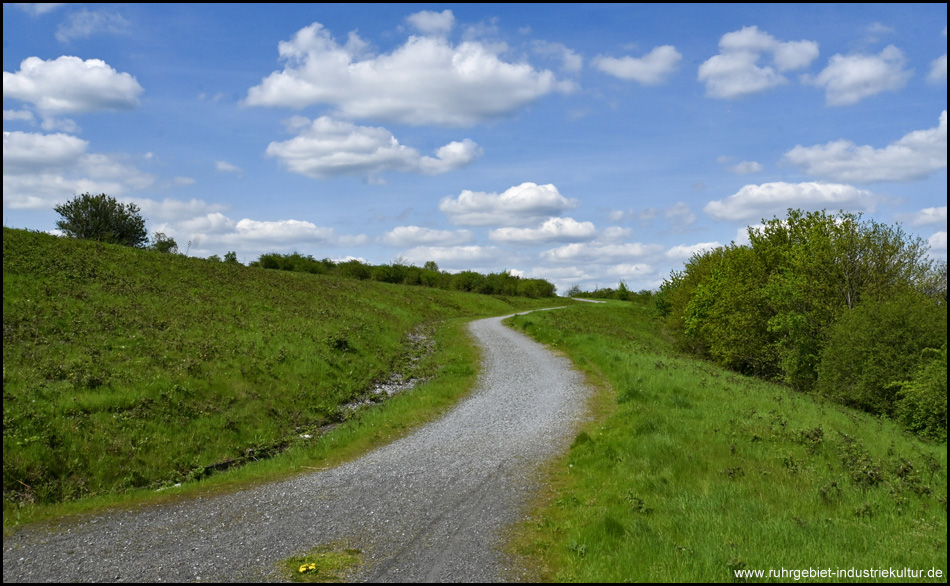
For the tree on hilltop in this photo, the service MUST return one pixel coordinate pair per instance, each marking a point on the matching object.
(104, 219)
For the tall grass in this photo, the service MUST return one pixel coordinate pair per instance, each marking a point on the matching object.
(130, 369)
(691, 472)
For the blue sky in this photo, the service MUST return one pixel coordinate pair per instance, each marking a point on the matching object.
(583, 144)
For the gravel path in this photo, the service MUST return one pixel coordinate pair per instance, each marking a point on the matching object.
(430, 507)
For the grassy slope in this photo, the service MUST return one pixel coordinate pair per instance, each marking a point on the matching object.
(131, 369)
(690, 471)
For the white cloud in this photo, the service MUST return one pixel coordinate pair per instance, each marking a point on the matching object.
(226, 167)
(735, 72)
(328, 148)
(38, 8)
(281, 231)
(935, 216)
(602, 253)
(938, 70)
(552, 230)
(176, 210)
(915, 156)
(614, 234)
(417, 236)
(754, 202)
(746, 168)
(213, 232)
(28, 152)
(18, 115)
(685, 251)
(454, 257)
(679, 216)
(425, 81)
(938, 242)
(519, 205)
(85, 23)
(40, 170)
(652, 69)
(570, 60)
(849, 79)
(69, 85)
(433, 23)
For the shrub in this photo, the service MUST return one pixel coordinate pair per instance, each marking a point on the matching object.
(102, 218)
(877, 344)
(922, 402)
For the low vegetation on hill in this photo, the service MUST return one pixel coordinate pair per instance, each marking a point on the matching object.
(827, 303)
(690, 472)
(128, 368)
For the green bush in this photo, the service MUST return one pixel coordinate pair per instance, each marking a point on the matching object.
(102, 218)
(877, 344)
(922, 403)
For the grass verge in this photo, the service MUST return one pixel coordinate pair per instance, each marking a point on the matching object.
(690, 473)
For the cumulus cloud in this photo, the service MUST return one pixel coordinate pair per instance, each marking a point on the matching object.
(679, 216)
(69, 85)
(212, 232)
(938, 69)
(849, 79)
(936, 216)
(420, 236)
(754, 202)
(938, 245)
(552, 230)
(425, 81)
(686, 251)
(735, 72)
(28, 152)
(746, 168)
(432, 23)
(226, 167)
(18, 116)
(519, 205)
(85, 23)
(915, 156)
(454, 257)
(602, 253)
(40, 170)
(177, 210)
(570, 60)
(328, 148)
(652, 69)
(38, 8)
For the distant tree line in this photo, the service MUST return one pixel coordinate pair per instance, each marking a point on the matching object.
(832, 304)
(400, 272)
(621, 293)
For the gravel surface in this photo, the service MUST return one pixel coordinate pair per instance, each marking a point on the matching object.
(430, 507)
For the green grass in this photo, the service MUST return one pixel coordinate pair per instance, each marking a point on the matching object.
(690, 471)
(323, 564)
(127, 372)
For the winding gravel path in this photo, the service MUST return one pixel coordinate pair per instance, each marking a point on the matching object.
(428, 507)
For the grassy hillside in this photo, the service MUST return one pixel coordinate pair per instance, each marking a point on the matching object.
(126, 369)
(691, 472)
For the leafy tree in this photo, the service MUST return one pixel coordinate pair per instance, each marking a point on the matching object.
(102, 218)
(769, 308)
(876, 344)
(922, 405)
(623, 294)
(231, 257)
(163, 243)
(574, 291)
